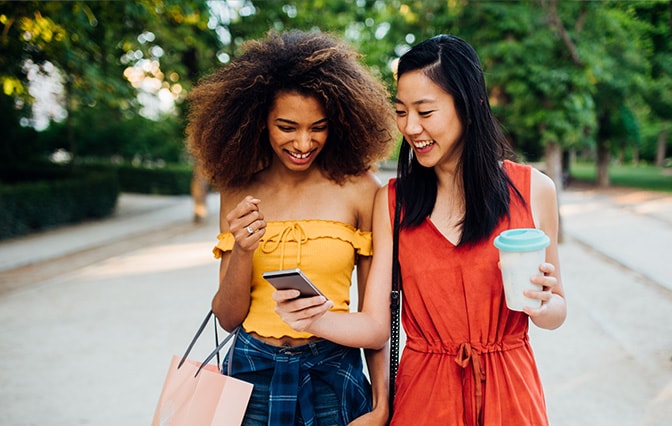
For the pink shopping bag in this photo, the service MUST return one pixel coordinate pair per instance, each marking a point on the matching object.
(197, 394)
(207, 399)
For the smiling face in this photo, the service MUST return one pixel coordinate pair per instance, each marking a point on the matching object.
(297, 129)
(427, 118)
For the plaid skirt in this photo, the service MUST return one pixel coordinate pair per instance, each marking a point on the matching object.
(293, 368)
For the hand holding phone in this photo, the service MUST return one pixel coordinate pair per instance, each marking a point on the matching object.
(292, 279)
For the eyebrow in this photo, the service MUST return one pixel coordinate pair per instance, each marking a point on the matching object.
(284, 120)
(418, 102)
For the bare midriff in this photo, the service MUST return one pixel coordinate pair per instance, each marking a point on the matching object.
(284, 341)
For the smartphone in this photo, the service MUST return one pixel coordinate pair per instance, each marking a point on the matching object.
(292, 279)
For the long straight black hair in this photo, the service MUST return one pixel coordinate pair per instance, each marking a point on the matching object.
(452, 64)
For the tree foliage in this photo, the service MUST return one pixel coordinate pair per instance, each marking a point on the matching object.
(95, 45)
(591, 76)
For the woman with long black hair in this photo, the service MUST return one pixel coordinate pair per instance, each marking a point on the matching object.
(467, 359)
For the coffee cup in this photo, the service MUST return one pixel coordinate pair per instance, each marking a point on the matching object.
(521, 251)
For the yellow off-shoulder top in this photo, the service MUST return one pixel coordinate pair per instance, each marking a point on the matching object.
(325, 251)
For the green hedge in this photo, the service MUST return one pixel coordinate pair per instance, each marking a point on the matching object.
(35, 172)
(43, 195)
(36, 205)
(167, 180)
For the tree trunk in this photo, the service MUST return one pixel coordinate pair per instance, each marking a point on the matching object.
(567, 160)
(603, 158)
(553, 154)
(660, 151)
(199, 193)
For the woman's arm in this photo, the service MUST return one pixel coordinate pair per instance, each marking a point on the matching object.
(231, 303)
(553, 310)
(377, 362)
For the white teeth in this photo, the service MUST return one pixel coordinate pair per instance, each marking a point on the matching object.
(422, 144)
(299, 156)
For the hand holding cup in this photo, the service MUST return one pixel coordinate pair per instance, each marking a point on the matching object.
(521, 251)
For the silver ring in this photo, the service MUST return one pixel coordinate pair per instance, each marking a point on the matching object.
(250, 230)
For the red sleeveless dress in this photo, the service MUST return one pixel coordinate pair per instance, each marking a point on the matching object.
(467, 360)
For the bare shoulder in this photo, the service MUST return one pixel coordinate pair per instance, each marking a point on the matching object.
(361, 190)
(382, 196)
(544, 201)
(381, 209)
(366, 182)
(542, 186)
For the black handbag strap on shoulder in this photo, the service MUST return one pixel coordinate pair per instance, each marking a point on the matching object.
(395, 303)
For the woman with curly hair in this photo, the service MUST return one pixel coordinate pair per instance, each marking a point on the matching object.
(288, 133)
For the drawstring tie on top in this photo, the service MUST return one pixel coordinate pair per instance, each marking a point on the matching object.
(291, 232)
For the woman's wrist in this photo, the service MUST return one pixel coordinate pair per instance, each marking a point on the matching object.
(380, 413)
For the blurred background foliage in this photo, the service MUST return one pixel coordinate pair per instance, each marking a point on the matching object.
(108, 79)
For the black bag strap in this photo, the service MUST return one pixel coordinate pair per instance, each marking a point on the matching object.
(214, 325)
(218, 346)
(395, 302)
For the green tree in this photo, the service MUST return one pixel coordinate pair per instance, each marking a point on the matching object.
(658, 94)
(562, 75)
(95, 44)
(617, 67)
(539, 90)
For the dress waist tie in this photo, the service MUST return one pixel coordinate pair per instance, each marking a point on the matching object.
(466, 354)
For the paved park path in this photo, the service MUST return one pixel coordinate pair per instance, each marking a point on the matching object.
(91, 314)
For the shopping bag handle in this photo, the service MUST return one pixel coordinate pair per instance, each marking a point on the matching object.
(219, 347)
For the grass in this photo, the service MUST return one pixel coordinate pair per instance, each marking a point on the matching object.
(642, 176)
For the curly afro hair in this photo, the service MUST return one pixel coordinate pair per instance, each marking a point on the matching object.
(228, 109)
